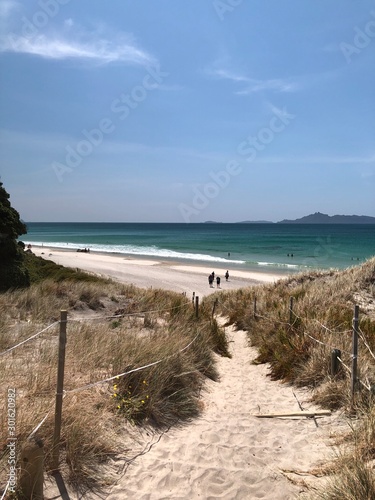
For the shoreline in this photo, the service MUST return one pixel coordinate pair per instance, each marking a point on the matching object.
(236, 266)
(146, 272)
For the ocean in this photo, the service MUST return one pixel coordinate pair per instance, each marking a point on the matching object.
(263, 247)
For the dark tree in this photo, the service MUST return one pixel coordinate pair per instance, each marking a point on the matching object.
(13, 274)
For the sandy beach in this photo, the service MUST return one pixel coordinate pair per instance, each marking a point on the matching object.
(229, 452)
(146, 273)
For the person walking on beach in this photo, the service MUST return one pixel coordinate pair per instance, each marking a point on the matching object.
(210, 280)
(227, 275)
(218, 281)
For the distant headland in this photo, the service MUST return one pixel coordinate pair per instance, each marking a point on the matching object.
(255, 222)
(316, 218)
(319, 218)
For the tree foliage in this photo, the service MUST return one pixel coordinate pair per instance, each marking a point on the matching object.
(13, 274)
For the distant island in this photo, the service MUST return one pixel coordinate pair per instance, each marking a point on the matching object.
(255, 222)
(316, 218)
(319, 218)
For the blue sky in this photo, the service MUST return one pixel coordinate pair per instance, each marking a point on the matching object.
(176, 110)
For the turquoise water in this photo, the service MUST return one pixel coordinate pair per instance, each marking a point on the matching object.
(263, 247)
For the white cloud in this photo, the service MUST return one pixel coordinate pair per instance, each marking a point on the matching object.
(276, 84)
(229, 75)
(253, 85)
(88, 46)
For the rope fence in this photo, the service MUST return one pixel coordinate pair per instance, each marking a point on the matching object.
(99, 382)
(344, 365)
(336, 356)
(5, 490)
(80, 320)
(28, 339)
(343, 332)
(363, 338)
(335, 353)
(61, 393)
(136, 313)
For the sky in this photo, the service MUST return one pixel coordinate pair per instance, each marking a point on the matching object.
(187, 111)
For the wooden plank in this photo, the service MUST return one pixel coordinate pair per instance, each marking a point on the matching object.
(317, 413)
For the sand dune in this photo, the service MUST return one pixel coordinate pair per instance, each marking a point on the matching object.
(229, 453)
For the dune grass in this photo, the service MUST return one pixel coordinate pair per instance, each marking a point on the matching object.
(351, 476)
(298, 348)
(112, 329)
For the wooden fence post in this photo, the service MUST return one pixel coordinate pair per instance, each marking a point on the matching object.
(196, 306)
(255, 307)
(59, 390)
(354, 379)
(31, 474)
(193, 299)
(291, 310)
(335, 364)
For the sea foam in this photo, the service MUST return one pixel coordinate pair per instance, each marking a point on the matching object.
(141, 251)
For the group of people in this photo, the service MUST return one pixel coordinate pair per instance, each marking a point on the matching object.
(211, 279)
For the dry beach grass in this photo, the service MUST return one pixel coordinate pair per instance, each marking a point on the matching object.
(125, 327)
(298, 345)
(147, 326)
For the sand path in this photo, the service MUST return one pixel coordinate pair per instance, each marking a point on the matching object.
(228, 453)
